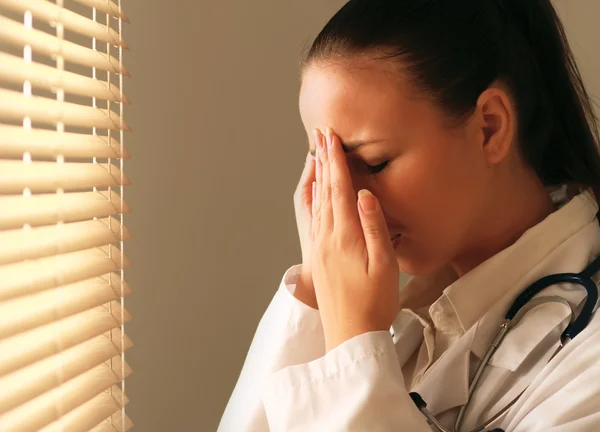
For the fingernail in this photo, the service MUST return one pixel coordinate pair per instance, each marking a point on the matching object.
(329, 139)
(323, 149)
(366, 200)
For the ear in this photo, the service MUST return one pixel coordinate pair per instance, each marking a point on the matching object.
(497, 123)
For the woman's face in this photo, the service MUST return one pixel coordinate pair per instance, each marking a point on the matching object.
(435, 177)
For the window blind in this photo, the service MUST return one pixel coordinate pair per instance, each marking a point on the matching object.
(62, 233)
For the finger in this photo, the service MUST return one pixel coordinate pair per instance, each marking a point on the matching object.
(377, 236)
(308, 173)
(304, 188)
(318, 175)
(343, 200)
(326, 219)
(313, 205)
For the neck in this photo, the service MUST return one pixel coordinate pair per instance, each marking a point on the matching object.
(507, 214)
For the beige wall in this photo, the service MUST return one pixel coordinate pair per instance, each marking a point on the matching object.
(218, 146)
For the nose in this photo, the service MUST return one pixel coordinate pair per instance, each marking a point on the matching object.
(358, 183)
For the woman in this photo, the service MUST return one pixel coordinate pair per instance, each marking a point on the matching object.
(480, 148)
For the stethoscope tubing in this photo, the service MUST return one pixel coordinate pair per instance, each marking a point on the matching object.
(512, 317)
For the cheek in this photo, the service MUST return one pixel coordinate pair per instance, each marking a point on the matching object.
(433, 194)
(442, 186)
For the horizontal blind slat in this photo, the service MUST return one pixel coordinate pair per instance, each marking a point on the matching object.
(53, 14)
(114, 424)
(45, 209)
(16, 279)
(25, 348)
(50, 406)
(14, 141)
(15, 33)
(37, 378)
(16, 70)
(15, 176)
(18, 244)
(91, 413)
(15, 105)
(35, 310)
(106, 6)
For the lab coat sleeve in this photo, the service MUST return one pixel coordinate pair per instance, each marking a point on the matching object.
(289, 333)
(357, 386)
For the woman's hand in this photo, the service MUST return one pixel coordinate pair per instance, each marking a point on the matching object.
(305, 291)
(354, 268)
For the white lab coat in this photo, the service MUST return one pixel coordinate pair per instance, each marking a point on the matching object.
(288, 383)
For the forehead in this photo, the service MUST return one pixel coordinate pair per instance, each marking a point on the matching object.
(351, 96)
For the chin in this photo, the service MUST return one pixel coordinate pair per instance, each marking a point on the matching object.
(413, 269)
(414, 264)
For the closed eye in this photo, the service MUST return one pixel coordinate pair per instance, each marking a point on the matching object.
(375, 169)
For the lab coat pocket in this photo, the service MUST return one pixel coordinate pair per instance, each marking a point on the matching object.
(528, 333)
(520, 357)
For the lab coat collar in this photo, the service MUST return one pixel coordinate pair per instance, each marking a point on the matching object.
(540, 251)
(437, 377)
(477, 302)
(493, 284)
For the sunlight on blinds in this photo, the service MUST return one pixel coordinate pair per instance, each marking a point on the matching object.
(62, 232)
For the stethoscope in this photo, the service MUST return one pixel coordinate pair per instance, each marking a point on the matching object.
(522, 304)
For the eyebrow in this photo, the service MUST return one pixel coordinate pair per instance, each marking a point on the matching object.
(350, 147)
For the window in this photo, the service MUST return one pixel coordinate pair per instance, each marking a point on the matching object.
(62, 261)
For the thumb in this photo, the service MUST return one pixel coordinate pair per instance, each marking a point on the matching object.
(377, 236)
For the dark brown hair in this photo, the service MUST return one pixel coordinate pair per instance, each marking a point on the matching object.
(453, 50)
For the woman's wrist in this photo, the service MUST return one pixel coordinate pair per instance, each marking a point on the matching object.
(305, 291)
